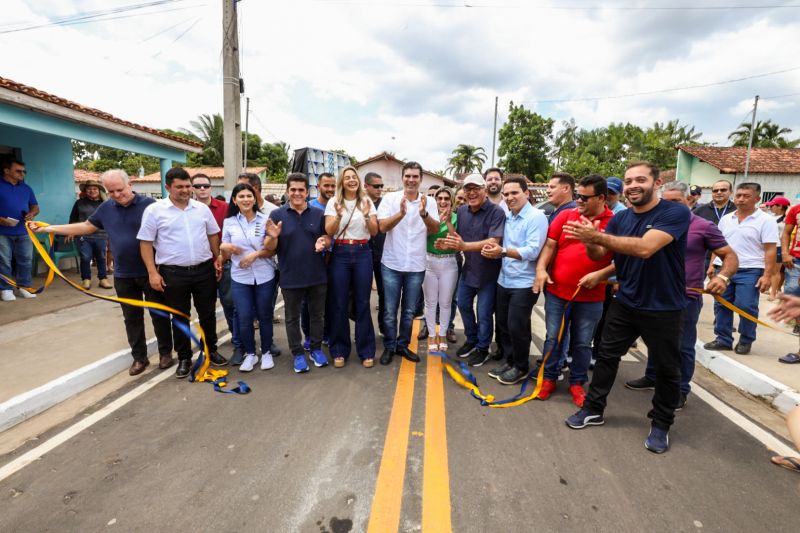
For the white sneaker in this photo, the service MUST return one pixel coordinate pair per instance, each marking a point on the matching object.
(249, 362)
(266, 361)
(7, 295)
(26, 295)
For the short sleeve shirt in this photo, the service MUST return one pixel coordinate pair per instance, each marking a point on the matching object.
(219, 209)
(179, 236)
(249, 236)
(748, 237)
(15, 202)
(404, 247)
(571, 262)
(659, 282)
(301, 266)
(487, 222)
(121, 223)
(353, 224)
(791, 220)
(703, 237)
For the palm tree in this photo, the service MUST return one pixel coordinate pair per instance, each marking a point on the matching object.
(466, 158)
(210, 130)
(566, 141)
(767, 135)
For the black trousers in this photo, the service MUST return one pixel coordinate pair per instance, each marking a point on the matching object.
(184, 285)
(376, 270)
(139, 289)
(293, 300)
(661, 332)
(513, 309)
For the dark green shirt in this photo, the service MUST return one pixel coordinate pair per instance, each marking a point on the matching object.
(441, 234)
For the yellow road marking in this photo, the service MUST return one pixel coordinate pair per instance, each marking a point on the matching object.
(385, 514)
(436, 476)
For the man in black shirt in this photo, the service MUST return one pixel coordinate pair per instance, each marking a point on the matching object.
(720, 204)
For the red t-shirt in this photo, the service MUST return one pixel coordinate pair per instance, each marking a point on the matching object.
(571, 261)
(219, 209)
(791, 220)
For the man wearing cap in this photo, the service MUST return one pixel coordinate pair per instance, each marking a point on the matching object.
(120, 217)
(778, 206)
(695, 192)
(753, 235)
(614, 191)
(720, 203)
(480, 223)
(17, 205)
(92, 246)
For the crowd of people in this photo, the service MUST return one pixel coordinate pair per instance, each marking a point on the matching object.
(609, 273)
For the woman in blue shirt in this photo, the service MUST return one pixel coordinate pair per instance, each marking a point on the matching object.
(252, 273)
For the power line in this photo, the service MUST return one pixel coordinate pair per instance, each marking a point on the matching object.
(659, 91)
(779, 96)
(255, 116)
(471, 5)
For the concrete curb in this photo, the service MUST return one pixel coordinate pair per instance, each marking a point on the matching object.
(780, 396)
(25, 405)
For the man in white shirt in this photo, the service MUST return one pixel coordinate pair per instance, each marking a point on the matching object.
(753, 235)
(179, 240)
(404, 217)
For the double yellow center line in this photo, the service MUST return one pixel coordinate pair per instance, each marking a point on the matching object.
(388, 499)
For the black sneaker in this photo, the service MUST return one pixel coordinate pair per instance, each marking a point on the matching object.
(681, 402)
(495, 372)
(498, 354)
(466, 349)
(478, 357)
(237, 357)
(642, 383)
(512, 376)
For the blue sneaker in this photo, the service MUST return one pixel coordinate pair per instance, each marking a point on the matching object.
(319, 358)
(657, 441)
(584, 418)
(300, 364)
(307, 344)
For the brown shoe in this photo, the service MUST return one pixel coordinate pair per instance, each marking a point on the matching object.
(105, 284)
(165, 361)
(138, 367)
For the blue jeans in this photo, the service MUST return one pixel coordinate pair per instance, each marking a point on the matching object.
(792, 283)
(351, 274)
(92, 248)
(254, 301)
(478, 329)
(693, 307)
(743, 293)
(228, 308)
(583, 320)
(399, 288)
(19, 249)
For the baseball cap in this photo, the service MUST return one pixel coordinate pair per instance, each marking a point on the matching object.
(474, 179)
(614, 185)
(780, 200)
(695, 190)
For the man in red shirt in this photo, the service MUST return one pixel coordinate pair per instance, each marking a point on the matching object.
(563, 266)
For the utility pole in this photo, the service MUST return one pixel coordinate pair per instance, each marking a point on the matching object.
(494, 131)
(750, 142)
(246, 131)
(232, 89)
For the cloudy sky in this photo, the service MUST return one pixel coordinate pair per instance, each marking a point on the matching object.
(411, 76)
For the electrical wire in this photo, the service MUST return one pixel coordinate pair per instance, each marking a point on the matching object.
(471, 5)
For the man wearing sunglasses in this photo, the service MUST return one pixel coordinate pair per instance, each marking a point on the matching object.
(201, 187)
(720, 203)
(373, 184)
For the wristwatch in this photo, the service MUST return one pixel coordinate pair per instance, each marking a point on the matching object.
(726, 279)
(503, 252)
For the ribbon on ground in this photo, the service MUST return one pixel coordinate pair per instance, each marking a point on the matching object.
(200, 371)
(459, 371)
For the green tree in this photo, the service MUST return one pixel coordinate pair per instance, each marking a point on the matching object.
(565, 142)
(276, 158)
(767, 135)
(466, 158)
(99, 158)
(525, 142)
(208, 129)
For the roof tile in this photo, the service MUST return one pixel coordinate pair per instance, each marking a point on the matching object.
(730, 160)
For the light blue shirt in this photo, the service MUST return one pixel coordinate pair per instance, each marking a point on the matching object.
(249, 236)
(526, 232)
(619, 207)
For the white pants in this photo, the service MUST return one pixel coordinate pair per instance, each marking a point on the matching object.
(441, 276)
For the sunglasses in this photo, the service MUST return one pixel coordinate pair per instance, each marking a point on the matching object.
(201, 186)
(378, 186)
(585, 197)
(720, 190)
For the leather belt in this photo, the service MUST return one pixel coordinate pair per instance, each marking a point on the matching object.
(188, 268)
(351, 241)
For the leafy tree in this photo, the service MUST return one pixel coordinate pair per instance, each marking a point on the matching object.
(99, 158)
(767, 135)
(525, 142)
(208, 129)
(466, 158)
(276, 158)
(566, 141)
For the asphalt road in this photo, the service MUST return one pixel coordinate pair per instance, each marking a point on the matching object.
(309, 453)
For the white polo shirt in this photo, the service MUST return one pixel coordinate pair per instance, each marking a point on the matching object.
(747, 238)
(180, 236)
(405, 247)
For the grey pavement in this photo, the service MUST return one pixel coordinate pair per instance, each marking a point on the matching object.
(302, 452)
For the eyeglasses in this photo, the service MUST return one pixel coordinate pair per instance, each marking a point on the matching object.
(376, 186)
(201, 186)
(585, 197)
(720, 190)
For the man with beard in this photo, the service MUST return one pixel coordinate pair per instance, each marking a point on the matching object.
(494, 186)
(649, 245)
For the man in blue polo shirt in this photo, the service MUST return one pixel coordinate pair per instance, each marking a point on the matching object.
(17, 205)
(296, 232)
(649, 245)
(480, 222)
(120, 216)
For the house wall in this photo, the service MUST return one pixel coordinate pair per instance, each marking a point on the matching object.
(787, 185)
(48, 160)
